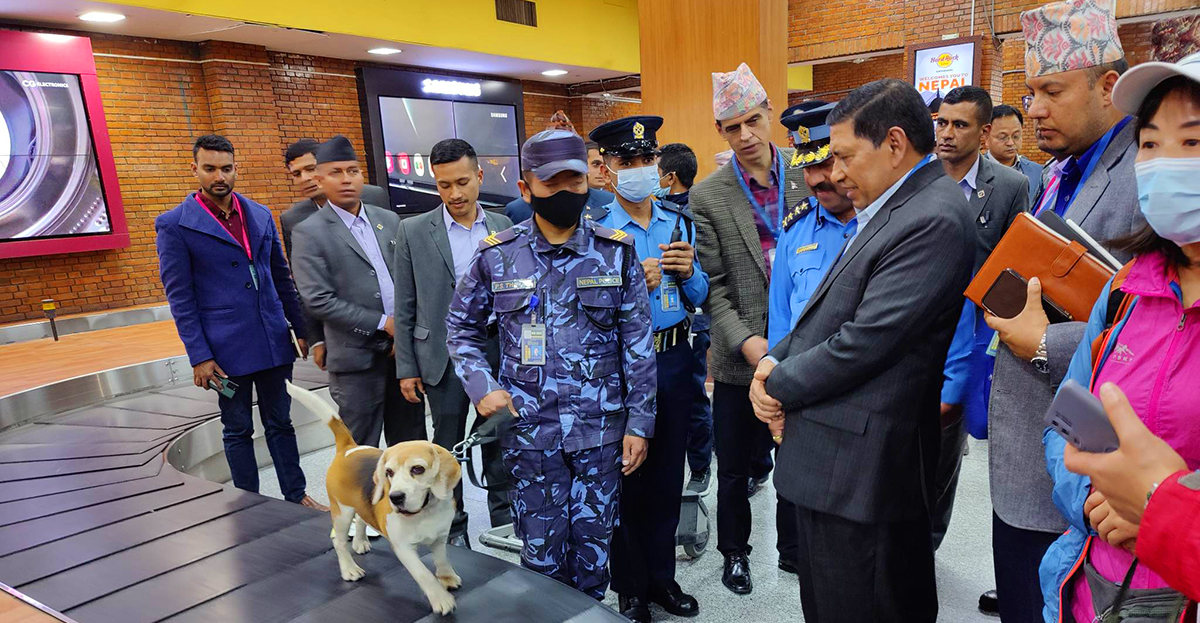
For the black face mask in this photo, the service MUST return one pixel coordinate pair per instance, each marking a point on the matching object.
(562, 208)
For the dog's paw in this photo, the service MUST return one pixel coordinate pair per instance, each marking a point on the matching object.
(442, 602)
(361, 546)
(352, 572)
(449, 579)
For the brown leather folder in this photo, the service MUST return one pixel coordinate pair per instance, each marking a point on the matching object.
(1070, 276)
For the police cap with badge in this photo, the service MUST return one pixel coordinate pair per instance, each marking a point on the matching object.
(807, 125)
(628, 136)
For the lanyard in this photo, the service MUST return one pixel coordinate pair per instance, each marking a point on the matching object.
(1097, 154)
(780, 201)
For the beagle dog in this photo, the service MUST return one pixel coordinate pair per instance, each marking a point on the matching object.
(406, 492)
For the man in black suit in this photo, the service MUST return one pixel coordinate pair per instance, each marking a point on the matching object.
(850, 391)
(301, 162)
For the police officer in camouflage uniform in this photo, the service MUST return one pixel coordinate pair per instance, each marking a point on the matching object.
(577, 363)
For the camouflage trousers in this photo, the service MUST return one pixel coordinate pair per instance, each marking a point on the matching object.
(564, 508)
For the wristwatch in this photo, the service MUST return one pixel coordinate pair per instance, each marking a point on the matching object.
(1041, 359)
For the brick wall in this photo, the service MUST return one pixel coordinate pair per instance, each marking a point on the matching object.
(157, 105)
(832, 81)
(543, 99)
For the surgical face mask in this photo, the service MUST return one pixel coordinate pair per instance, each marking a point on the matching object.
(662, 191)
(562, 209)
(1169, 196)
(637, 184)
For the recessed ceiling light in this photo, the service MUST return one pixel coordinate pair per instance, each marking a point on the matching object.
(608, 95)
(100, 16)
(554, 72)
(383, 51)
(53, 38)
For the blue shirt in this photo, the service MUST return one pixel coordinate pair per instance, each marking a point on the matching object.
(360, 227)
(463, 241)
(1073, 168)
(519, 210)
(808, 246)
(646, 241)
(865, 215)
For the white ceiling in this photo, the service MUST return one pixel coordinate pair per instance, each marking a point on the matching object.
(141, 22)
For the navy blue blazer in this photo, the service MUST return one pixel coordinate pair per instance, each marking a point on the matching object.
(218, 311)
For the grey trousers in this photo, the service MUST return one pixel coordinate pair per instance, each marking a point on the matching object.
(370, 404)
(449, 405)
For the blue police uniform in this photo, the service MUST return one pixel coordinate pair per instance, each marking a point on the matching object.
(811, 240)
(643, 556)
(582, 388)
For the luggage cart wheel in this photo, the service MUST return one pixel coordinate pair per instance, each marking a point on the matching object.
(695, 550)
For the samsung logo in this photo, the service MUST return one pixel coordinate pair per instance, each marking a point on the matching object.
(38, 84)
(499, 115)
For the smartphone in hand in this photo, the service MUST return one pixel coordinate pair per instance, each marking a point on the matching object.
(227, 388)
(1080, 418)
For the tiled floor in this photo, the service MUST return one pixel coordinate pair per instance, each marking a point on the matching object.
(964, 562)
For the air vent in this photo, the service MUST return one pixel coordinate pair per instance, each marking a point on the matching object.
(521, 12)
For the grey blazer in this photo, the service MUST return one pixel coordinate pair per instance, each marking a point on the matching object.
(861, 372)
(293, 216)
(1106, 207)
(1000, 195)
(424, 277)
(730, 252)
(339, 287)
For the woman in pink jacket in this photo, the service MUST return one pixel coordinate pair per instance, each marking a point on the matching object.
(1149, 347)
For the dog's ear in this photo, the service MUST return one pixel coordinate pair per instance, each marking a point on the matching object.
(380, 478)
(448, 474)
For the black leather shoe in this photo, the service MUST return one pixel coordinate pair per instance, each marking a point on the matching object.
(460, 540)
(737, 574)
(989, 603)
(788, 566)
(751, 487)
(676, 602)
(634, 608)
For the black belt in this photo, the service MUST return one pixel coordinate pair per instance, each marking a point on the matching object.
(671, 337)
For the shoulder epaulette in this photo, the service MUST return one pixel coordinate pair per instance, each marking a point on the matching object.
(615, 235)
(793, 216)
(675, 208)
(497, 238)
(594, 213)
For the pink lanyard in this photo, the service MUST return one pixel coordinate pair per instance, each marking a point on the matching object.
(237, 206)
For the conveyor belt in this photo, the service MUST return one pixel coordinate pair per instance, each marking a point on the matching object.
(96, 525)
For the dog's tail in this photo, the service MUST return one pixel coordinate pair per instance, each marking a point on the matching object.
(326, 412)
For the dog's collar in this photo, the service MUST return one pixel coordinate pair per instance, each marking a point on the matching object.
(428, 497)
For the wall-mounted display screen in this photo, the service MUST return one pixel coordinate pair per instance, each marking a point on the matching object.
(412, 126)
(50, 183)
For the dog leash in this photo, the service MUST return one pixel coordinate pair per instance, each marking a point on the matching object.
(488, 432)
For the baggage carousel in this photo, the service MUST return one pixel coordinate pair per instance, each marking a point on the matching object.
(111, 511)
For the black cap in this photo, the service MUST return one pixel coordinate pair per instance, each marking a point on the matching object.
(810, 135)
(336, 149)
(628, 136)
(790, 116)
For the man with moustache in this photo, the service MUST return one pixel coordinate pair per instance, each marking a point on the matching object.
(1073, 58)
(300, 159)
(343, 263)
(424, 289)
(738, 212)
(232, 299)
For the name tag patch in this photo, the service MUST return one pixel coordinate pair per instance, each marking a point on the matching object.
(512, 284)
(598, 281)
(806, 248)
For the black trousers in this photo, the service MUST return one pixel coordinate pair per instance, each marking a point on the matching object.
(949, 466)
(449, 404)
(1017, 554)
(370, 403)
(739, 443)
(854, 572)
(643, 548)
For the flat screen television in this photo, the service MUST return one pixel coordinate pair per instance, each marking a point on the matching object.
(407, 113)
(412, 126)
(57, 190)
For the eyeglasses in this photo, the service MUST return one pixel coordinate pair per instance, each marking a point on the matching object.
(1027, 102)
(1006, 139)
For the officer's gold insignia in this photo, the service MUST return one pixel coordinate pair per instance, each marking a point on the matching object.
(802, 134)
(639, 130)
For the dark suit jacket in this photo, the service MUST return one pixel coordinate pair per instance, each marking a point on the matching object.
(293, 216)
(728, 248)
(861, 372)
(218, 312)
(1005, 194)
(424, 288)
(337, 284)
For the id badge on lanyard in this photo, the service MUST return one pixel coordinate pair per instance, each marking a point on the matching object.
(533, 338)
(670, 295)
